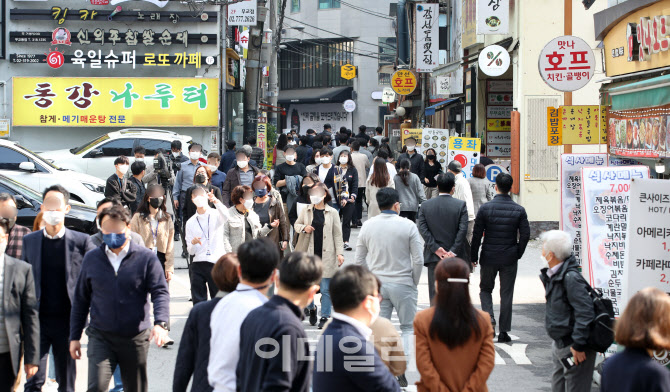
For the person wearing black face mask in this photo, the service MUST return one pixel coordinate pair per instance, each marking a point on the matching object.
(201, 179)
(431, 169)
(270, 212)
(16, 233)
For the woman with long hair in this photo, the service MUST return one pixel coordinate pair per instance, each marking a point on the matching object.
(243, 223)
(480, 186)
(347, 193)
(270, 212)
(379, 179)
(278, 156)
(431, 169)
(454, 340)
(644, 330)
(409, 189)
(314, 161)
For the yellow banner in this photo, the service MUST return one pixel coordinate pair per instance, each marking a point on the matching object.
(464, 144)
(412, 132)
(554, 131)
(115, 102)
(498, 124)
(583, 124)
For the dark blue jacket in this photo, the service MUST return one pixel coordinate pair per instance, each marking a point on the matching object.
(193, 355)
(227, 161)
(280, 320)
(377, 378)
(634, 370)
(75, 249)
(119, 302)
(218, 177)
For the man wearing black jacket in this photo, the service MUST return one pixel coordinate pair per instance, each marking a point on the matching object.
(415, 159)
(502, 221)
(114, 285)
(118, 185)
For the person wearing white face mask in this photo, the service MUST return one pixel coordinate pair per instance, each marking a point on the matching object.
(288, 176)
(118, 185)
(242, 174)
(243, 224)
(56, 255)
(415, 158)
(183, 181)
(150, 176)
(347, 192)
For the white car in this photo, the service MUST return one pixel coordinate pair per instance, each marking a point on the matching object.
(33, 171)
(97, 156)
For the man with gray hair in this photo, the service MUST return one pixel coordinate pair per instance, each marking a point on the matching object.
(569, 313)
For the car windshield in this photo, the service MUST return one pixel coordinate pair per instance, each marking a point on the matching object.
(42, 161)
(87, 146)
(21, 188)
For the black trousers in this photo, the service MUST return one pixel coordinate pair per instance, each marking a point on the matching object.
(107, 350)
(54, 333)
(411, 215)
(179, 224)
(161, 258)
(347, 213)
(201, 280)
(486, 285)
(358, 215)
(7, 377)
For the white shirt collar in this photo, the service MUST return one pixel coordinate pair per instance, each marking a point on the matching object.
(552, 271)
(362, 328)
(114, 259)
(58, 235)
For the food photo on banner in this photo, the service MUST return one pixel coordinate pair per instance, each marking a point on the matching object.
(640, 133)
(438, 140)
(465, 150)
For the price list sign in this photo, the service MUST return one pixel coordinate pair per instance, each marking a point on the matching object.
(606, 211)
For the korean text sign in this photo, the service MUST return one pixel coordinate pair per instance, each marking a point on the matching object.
(586, 124)
(438, 140)
(492, 16)
(465, 150)
(403, 82)
(427, 37)
(262, 140)
(415, 133)
(99, 102)
(567, 63)
(242, 13)
(606, 204)
(571, 196)
(648, 242)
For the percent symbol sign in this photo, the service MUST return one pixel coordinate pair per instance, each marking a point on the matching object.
(494, 59)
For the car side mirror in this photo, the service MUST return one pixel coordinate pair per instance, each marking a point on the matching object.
(94, 153)
(27, 166)
(22, 203)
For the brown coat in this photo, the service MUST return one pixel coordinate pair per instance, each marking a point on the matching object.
(388, 344)
(465, 368)
(333, 244)
(164, 240)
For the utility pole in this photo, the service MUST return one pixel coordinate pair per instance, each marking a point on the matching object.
(253, 67)
(223, 83)
(273, 88)
(567, 30)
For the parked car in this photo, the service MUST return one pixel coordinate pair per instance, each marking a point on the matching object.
(97, 156)
(32, 170)
(28, 201)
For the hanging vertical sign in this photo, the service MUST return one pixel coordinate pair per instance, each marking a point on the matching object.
(492, 16)
(262, 140)
(427, 37)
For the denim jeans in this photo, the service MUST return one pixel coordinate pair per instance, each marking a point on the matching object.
(326, 305)
(403, 298)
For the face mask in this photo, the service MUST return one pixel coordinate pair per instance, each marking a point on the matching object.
(53, 218)
(316, 199)
(213, 168)
(545, 262)
(139, 159)
(411, 148)
(374, 315)
(248, 203)
(194, 155)
(291, 143)
(290, 158)
(242, 164)
(155, 202)
(325, 160)
(430, 157)
(114, 240)
(200, 178)
(261, 192)
(200, 201)
(344, 160)
(123, 169)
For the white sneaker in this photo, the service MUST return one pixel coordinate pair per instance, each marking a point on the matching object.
(50, 386)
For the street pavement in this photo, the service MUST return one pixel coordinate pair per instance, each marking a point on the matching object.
(522, 365)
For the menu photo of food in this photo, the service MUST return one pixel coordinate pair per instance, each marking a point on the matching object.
(643, 134)
(655, 129)
(662, 133)
(631, 131)
(612, 132)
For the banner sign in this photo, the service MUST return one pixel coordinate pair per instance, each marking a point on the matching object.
(96, 59)
(636, 133)
(586, 124)
(115, 36)
(262, 141)
(493, 124)
(571, 197)
(469, 24)
(62, 14)
(492, 16)
(498, 138)
(438, 140)
(498, 150)
(606, 203)
(427, 37)
(567, 63)
(81, 102)
(412, 132)
(499, 112)
(242, 13)
(500, 99)
(465, 150)
(315, 115)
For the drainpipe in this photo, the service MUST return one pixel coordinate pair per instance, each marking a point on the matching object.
(403, 33)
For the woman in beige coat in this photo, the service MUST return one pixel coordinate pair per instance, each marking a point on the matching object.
(243, 223)
(379, 179)
(321, 235)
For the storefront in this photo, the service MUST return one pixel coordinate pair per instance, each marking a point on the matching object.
(314, 107)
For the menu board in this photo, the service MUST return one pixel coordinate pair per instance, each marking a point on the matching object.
(571, 196)
(583, 124)
(640, 133)
(605, 203)
(465, 150)
(438, 140)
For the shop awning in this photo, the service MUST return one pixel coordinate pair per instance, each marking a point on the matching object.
(644, 94)
(430, 110)
(316, 95)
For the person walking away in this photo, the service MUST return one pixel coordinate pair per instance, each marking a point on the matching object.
(218, 177)
(443, 224)
(347, 193)
(137, 169)
(183, 181)
(269, 210)
(118, 184)
(643, 329)
(228, 158)
(356, 304)
(362, 164)
(328, 133)
(378, 180)
(384, 154)
(154, 225)
(344, 146)
(9, 211)
(96, 240)
(194, 350)
(389, 345)
(569, 313)
(320, 234)
(454, 341)
(431, 169)
(257, 271)
(414, 157)
(114, 286)
(379, 134)
(56, 255)
(304, 150)
(204, 231)
(362, 133)
(257, 153)
(243, 224)
(504, 226)
(480, 188)
(278, 155)
(150, 176)
(391, 248)
(410, 190)
(279, 320)
(287, 177)
(19, 320)
(242, 174)
(462, 192)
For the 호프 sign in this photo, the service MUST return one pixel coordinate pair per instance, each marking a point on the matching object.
(567, 63)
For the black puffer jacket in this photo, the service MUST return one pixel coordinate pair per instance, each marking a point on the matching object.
(500, 219)
(569, 306)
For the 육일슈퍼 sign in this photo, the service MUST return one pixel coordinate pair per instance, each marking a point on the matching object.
(567, 63)
(492, 16)
(81, 102)
(465, 150)
(427, 37)
(606, 213)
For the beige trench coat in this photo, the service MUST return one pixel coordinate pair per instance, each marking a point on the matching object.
(333, 244)
(164, 240)
(371, 197)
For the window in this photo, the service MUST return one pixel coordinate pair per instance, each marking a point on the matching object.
(387, 54)
(118, 147)
(315, 64)
(295, 5)
(326, 4)
(10, 159)
(152, 146)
